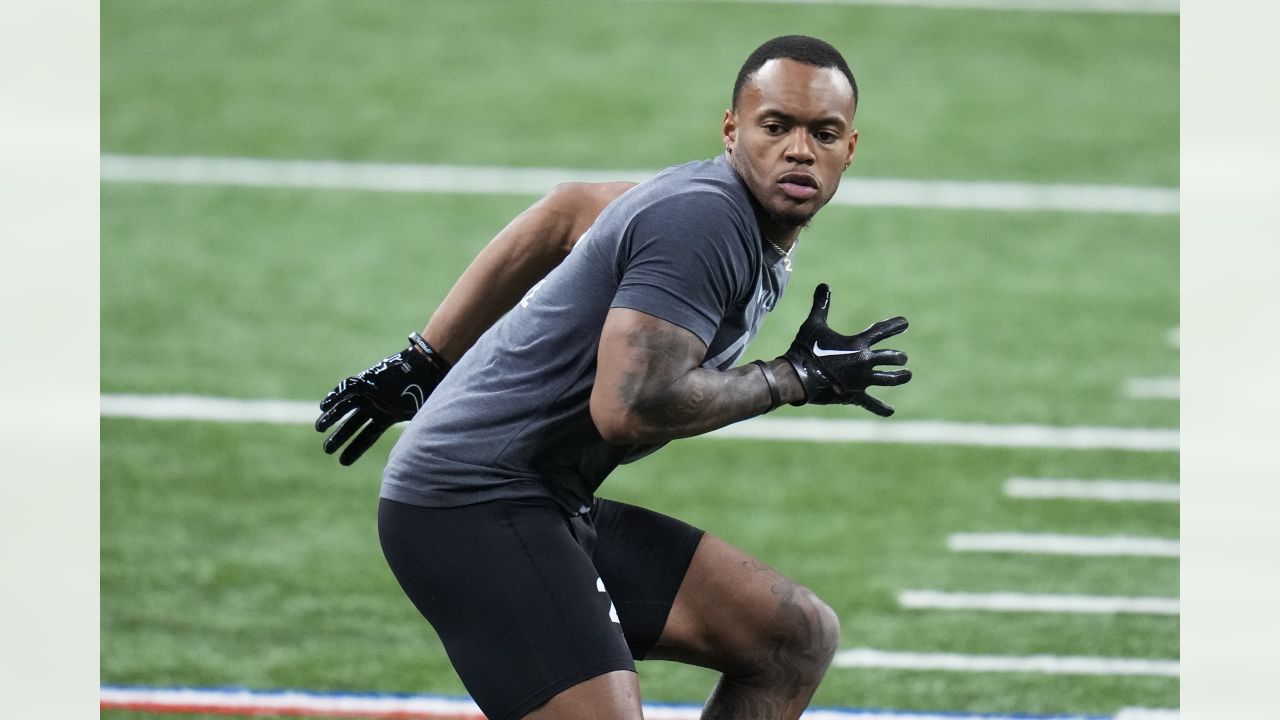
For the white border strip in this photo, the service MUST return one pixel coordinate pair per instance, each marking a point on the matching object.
(1047, 664)
(235, 701)
(1103, 490)
(1049, 544)
(1141, 7)
(193, 407)
(1024, 602)
(1152, 388)
(385, 177)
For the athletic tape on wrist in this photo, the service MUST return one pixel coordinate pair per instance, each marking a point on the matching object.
(775, 395)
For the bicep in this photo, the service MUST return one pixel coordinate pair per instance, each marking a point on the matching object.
(640, 358)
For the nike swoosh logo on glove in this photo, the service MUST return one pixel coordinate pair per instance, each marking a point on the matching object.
(414, 393)
(823, 352)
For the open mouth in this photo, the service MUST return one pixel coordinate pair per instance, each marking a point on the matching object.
(799, 186)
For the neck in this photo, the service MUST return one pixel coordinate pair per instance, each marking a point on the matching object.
(783, 235)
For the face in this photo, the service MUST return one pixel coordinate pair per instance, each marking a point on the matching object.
(791, 138)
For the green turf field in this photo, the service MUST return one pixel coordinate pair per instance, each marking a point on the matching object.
(239, 554)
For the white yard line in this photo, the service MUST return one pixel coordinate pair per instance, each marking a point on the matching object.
(1049, 664)
(385, 177)
(1143, 7)
(1152, 388)
(1104, 490)
(1049, 544)
(213, 409)
(1024, 602)
(301, 703)
(936, 432)
(192, 407)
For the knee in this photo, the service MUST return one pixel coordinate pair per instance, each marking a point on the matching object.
(820, 634)
(796, 648)
(831, 630)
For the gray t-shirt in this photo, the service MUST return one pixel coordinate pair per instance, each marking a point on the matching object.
(511, 419)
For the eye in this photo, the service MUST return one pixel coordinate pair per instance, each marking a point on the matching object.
(826, 137)
(774, 129)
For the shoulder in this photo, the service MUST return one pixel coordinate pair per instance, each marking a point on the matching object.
(696, 207)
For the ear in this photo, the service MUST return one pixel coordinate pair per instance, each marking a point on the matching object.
(853, 145)
(729, 131)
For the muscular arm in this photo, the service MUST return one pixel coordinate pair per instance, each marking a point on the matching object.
(520, 255)
(650, 388)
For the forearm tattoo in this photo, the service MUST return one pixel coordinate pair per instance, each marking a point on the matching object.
(674, 401)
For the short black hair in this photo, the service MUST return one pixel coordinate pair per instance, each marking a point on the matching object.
(801, 48)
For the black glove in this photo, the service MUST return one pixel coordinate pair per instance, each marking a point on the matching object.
(381, 396)
(837, 368)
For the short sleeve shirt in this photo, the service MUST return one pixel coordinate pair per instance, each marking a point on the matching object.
(512, 418)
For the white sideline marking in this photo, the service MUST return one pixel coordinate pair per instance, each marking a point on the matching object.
(1144, 7)
(1023, 602)
(1154, 388)
(243, 702)
(192, 407)
(1048, 544)
(1105, 490)
(386, 177)
(1049, 664)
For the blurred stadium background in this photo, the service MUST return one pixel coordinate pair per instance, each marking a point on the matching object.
(1044, 341)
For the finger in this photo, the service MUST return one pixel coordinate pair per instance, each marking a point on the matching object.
(335, 412)
(363, 441)
(884, 329)
(889, 379)
(821, 303)
(334, 395)
(345, 431)
(889, 357)
(872, 404)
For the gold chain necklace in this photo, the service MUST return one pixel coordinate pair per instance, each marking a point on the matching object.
(786, 254)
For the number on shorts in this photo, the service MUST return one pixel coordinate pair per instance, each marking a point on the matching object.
(613, 612)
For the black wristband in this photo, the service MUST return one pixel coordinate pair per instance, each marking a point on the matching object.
(775, 395)
(428, 351)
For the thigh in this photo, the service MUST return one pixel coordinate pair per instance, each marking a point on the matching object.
(642, 557)
(513, 596)
(735, 614)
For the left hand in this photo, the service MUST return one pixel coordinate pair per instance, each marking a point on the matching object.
(379, 397)
(837, 368)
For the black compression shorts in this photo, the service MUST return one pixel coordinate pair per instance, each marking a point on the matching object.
(529, 601)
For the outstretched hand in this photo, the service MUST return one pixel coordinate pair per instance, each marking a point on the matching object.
(838, 369)
(377, 398)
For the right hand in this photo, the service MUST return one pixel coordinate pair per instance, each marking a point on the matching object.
(837, 368)
(379, 397)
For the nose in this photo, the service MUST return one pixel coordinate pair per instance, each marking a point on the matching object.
(800, 147)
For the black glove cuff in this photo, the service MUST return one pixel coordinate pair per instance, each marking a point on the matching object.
(775, 395)
(802, 372)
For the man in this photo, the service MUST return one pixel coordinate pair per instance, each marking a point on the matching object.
(542, 594)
